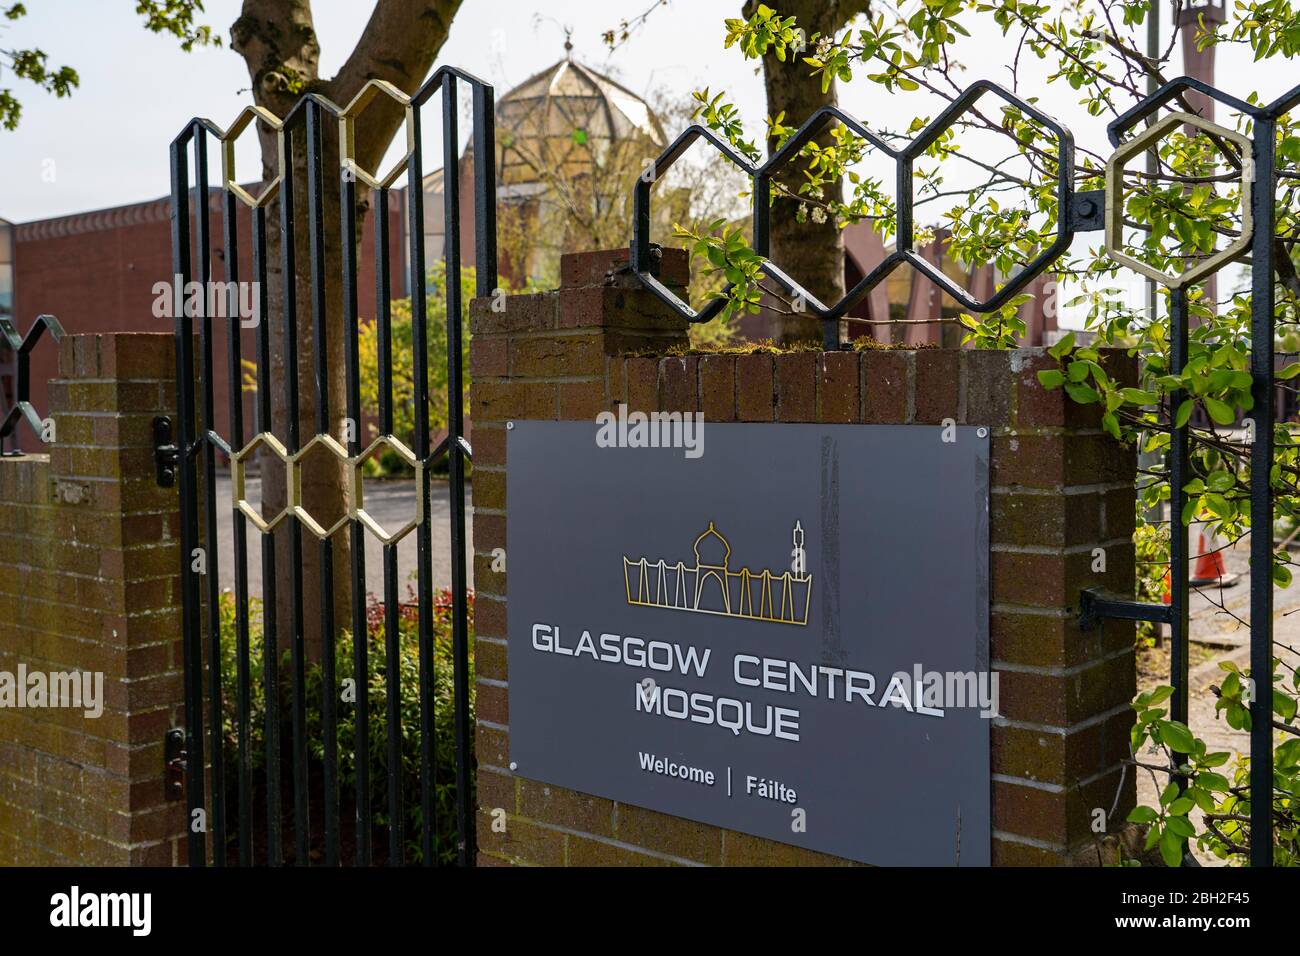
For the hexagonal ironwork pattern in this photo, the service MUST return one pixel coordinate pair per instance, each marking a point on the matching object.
(1115, 204)
(237, 480)
(295, 485)
(353, 479)
(241, 123)
(22, 408)
(347, 133)
(358, 510)
(904, 254)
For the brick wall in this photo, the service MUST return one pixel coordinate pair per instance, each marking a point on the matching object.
(1060, 489)
(89, 582)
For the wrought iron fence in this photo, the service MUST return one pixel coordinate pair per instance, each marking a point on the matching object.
(198, 446)
(20, 405)
(1079, 211)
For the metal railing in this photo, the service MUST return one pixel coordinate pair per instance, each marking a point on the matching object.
(1083, 211)
(198, 446)
(20, 347)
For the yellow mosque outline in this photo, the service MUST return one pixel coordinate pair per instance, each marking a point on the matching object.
(711, 587)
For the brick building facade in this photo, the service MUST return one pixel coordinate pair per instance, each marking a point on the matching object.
(97, 272)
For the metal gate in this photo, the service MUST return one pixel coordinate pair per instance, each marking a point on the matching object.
(191, 456)
(198, 445)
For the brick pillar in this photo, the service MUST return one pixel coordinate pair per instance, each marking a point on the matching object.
(89, 582)
(1060, 490)
(559, 356)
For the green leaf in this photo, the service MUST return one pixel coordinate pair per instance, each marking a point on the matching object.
(1142, 815)
(1159, 695)
(1153, 837)
(1062, 347)
(1212, 781)
(1220, 480)
(1083, 394)
(1175, 735)
(1051, 378)
(1171, 849)
(1221, 412)
(1110, 424)
(1136, 396)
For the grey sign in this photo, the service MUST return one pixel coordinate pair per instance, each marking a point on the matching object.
(783, 633)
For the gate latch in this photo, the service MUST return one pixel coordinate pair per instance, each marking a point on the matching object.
(175, 763)
(165, 452)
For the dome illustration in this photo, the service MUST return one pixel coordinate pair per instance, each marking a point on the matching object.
(711, 549)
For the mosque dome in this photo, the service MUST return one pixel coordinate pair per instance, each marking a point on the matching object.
(564, 117)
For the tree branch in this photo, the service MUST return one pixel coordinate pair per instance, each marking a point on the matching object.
(399, 44)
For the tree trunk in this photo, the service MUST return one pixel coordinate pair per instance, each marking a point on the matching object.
(811, 252)
(278, 42)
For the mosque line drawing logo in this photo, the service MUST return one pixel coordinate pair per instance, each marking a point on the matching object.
(712, 587)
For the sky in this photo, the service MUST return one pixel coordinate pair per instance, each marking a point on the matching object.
(108, 143)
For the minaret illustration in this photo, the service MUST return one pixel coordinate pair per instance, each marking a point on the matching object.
(711, 586)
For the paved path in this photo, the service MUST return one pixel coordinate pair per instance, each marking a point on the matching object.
(1220, 623)
(391, 502)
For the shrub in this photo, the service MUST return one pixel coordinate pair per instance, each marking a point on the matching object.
(376, 689)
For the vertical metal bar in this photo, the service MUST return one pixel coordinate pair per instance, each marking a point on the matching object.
(297, 650)
(203, 217)
(392, 676)
(239, 525)
(329, 717)
(485, 191)
(1179, 475)
(905, 237)
(360, 630)
(640, 251)
(270, 639)
(1152, 160)
(393, 684)
(1261, 493)
(384, 308)
(420, 369)
(456, 466)
(762, 213)
(192, 643)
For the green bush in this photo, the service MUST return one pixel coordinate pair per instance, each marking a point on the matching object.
(376, 688)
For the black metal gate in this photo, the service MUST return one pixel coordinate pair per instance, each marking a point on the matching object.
(197, 447)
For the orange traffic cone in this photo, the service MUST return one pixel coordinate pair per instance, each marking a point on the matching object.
(1209, 567)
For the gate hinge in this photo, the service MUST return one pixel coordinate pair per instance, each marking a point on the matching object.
(175, 763)
(165, 453)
